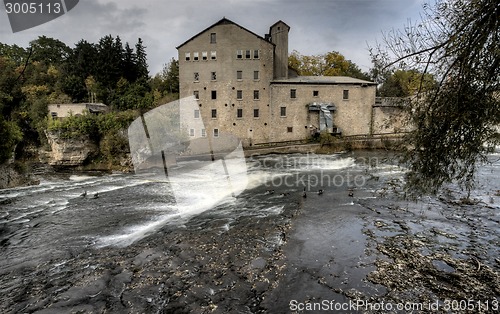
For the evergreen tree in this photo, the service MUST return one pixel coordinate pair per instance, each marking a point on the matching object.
(130, 64)
(142, 64)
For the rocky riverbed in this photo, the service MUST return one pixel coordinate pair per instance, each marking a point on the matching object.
(355, 248)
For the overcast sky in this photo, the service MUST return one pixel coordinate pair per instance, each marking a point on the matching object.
(317, 26)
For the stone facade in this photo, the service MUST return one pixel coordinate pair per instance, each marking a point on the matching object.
(65, 110)
(242, 85)
(389, 116)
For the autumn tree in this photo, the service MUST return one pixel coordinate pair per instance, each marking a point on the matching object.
(404, 83)
(328, 64)
(454, 121)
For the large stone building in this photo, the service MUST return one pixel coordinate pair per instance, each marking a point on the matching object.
(243, 86)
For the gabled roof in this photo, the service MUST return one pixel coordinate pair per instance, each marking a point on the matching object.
(223, 21)
(280, 21)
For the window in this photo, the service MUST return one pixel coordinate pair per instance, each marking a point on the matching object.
(214, 113)
(214, 94)
(196, 113)
(256, 54)
(247, 54)
(282, 111)
(195, 56)
(196, 94)
(54, 115)
(203, 133)
(216, 132)
(213, 38)
(188, 56)
(239, 113)
(239, 54)
(255, 75)
(255, 95)
(213, 76)
(293, 93)
(239, 75)
(213, 55)
(196, 76)
(289, 129)
(239, 94)
(256, 113)
(346, 94)
(315, 93)
(204, 55)
(191, 132)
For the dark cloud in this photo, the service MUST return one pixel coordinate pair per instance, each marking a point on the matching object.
(317, 26)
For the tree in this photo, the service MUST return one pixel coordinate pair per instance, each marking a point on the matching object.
(405, 83)
(329, 64)
(171, 76)
(142, 62)
(455, 121)
(10, 135)
(49, 50)
(109, 62)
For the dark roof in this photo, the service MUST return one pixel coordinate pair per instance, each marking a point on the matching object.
(322, 80)
(223, 21)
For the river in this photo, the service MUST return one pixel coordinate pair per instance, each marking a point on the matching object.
(144, 243)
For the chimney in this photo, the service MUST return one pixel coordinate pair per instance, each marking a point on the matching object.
(278, 35)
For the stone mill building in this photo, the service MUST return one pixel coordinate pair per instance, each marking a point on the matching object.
(242, 86)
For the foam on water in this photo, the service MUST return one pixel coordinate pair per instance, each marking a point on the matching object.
(195, 190)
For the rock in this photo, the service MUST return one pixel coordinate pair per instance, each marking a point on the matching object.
(70, 152)
(11, 176)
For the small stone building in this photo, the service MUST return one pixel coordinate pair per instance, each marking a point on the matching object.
(66, 110)
(243, 87)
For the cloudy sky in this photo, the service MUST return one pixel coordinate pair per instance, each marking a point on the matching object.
(317, 26)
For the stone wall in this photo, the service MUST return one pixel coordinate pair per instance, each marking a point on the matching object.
(389, 117)
(352, 115)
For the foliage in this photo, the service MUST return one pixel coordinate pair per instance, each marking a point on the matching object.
(404, 83)
(170, 75)
(329, 64)
(455, 121)
(74, 126)
(49, 72)
(49, 50)
(113, 144)
(91, 125)
(10, 134)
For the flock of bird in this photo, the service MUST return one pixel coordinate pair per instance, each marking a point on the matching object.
(304, 193)
(84, 194)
